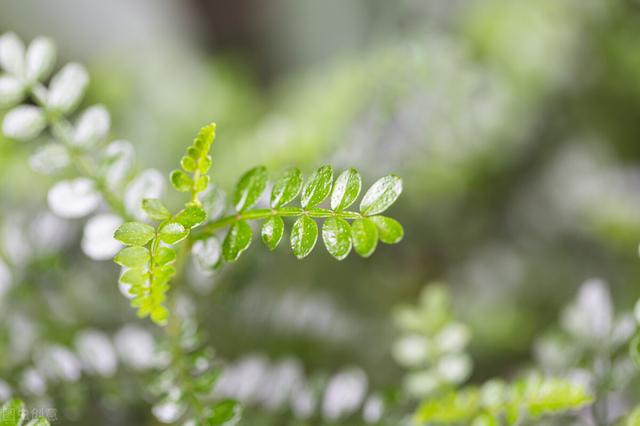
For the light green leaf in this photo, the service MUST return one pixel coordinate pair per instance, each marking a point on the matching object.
(365, 236)
(159, 315)
(451, 408)
(173, 232)
(39, 421)
(201, 183)
(389, 230)
(188, 164)
(249, 188)
(191, 216)
(181, 181)
(304, 235)
(381, 195)
(286, 188)
(207, 253)
(154, 208)
(336, 234)
(272, 231)
(12, 413)
(134, 233)
(165, 256)
(317, 187)
(346, 189)
(136, 276)
(237, 240)
(133, 257)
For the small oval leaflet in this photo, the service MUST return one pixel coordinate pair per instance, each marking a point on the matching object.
(181, 181)
(317, 187)
(390, 231)
(272, 232)
(11, 91)
(214, 201)
(365, 236)
(304, 235)
(155, 209)
(249, 188)
(286, 188)
(40, 58)
(237, 240)
(134, 233)
(118, 159)
(50, 158)
(24, 122)
(67, 87)
(382, 194)
(191, 216)
(92, 126)
(133, 257)
(73, 198)
(173, 232)
(336, 234)
(346, 189)
(12, 54)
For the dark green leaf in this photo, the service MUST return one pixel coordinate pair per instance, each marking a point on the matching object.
(381, 195)
(304, 235)
(272, 231)
(224, 413)
(12, 413)
(134, 233)
(154, 208)
(181, 181)
(286, 188)
(133, 257)
(317, 187)
(191, 216)
(365, 236)
(173, 232)
(237, 240)
(346, 189)
(336, 234)
(389, 230)
(250, 188)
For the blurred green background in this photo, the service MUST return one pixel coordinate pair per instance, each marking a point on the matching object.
(514, 124)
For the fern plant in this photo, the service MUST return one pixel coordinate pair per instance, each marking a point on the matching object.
(154, 254)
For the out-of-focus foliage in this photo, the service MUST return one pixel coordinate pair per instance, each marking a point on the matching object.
(514, 126)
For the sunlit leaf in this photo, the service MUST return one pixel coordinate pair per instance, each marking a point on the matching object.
(165, 256)
(345, 189)
(237, 240)
(317, 187)
(134, 233)
(364, 234)
(181, 181)
(191, 216)
(304, 235)
(336, 234)
(133, 257)
(249, 188)
(173, 232)
(286, 188)
(272, 231)
(381, 195)
(155, 209)
(390, 231)
(12, 413)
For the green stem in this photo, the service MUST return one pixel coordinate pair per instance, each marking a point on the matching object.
(257, 214)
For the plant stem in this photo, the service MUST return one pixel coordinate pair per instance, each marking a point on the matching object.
(257, 214)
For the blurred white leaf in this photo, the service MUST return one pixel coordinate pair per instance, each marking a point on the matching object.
(454, 369)
(97, 240)
(11, 91)
(119, 158)
(67, 87)
(58, 363)
(411, 350)
(344, 394)
(206, 253)
(32, 382)
(92, 126)
(169, 410)
(148, 184)
(24, 122)
(12, 54)
(590, 317)
(5, 278)
(5, 390)
(50, 158)
(135, 347)
(214, 201)
(41, 56)
(453, 338)
(421, 384)
(73, 198)
(96, 353)
(373, 409)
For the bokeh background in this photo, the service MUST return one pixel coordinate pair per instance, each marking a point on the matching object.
(514, 124)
